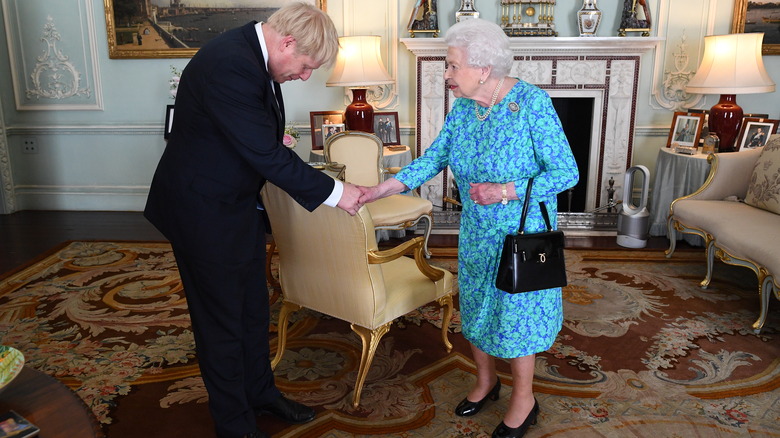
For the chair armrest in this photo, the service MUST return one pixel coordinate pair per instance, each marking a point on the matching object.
(414, 245)
(729, 175)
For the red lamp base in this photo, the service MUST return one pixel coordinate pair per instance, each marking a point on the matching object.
(359, 114)
(724, 120)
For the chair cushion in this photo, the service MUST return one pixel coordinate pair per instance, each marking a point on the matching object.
(407, 288)
(397, 209)
(739, 229)
(764, 189)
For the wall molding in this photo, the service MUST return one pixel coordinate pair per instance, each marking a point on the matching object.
(382, 97)
(7, 199)
(678, 56)
(55, 78)
(135, 129)
(83, 198)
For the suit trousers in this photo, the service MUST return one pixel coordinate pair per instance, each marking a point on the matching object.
(229, 309)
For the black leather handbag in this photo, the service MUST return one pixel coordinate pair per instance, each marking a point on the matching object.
(532, 261)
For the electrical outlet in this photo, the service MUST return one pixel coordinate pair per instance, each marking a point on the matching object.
(30, 145)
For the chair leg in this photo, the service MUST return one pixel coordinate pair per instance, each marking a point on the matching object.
(428, 228)
(671, 233)
(281, 338)
(274, 295)
(370, 339)
(765, 291)
(446, 308)
(710, 252)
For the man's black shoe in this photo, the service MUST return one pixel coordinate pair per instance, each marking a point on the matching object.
(256, 434)
(288, 410)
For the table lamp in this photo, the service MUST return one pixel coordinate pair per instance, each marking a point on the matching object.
(359, 66)
(731, 65)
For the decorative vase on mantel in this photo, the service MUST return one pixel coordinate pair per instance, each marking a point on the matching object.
(588, 18)
(466, 11)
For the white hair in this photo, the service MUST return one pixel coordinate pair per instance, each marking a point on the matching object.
(485, 44)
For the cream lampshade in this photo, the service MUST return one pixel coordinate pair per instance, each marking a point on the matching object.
(359, 66)
(731, 65)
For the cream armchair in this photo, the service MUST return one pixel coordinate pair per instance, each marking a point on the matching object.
(329, 262)
(361, 152)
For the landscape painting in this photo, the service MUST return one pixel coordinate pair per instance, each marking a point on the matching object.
(759, 16)
(178, 28)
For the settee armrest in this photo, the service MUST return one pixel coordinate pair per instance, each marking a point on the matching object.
(729, 175)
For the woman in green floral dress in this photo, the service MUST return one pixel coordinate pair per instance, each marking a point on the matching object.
(500, 132)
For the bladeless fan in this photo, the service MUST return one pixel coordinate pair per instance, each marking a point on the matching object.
(634, 220)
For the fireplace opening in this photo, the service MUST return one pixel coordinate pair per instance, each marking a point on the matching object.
(576, 114)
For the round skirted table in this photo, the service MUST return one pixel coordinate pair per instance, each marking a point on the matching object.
(676, 175)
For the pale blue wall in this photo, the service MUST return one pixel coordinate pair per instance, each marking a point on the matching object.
(103, 159)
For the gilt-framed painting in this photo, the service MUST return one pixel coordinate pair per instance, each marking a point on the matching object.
(177, 29)
(759, 16)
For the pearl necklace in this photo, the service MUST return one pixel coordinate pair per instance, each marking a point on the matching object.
(482, 117)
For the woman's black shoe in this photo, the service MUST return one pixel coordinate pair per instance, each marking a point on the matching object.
(468, 408)
(503, 431)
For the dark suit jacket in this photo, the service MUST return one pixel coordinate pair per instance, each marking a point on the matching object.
(226, 142)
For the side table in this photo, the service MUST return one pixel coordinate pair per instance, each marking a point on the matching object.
(676, 175)
(46, 402)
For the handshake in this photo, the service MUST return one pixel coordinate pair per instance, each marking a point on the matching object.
(355, 197)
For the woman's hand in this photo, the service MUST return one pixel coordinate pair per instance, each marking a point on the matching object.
(490, 193)
(391, 186)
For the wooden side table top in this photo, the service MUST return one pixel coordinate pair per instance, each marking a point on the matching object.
(50, 405)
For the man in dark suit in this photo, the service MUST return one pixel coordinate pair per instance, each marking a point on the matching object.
(226, 142)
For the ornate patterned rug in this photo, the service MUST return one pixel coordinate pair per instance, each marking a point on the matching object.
(644, 352)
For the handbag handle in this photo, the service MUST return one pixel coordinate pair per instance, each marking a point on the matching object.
(542, 207)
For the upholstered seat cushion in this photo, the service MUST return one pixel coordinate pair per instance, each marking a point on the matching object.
(407, 288)
(764, 189)
(396, 209)
(738, 228)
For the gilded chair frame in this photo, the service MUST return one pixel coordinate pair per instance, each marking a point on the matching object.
(375, 286)
(367, 177)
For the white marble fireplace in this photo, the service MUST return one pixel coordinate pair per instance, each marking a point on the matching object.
(604, 69)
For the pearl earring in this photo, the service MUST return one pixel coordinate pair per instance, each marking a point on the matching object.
(481, 82)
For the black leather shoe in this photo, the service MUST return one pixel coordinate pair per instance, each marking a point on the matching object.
(503, 431)
(288, 410)
(256, 434)
(468, 408)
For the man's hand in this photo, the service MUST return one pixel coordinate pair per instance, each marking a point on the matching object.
(351, 198)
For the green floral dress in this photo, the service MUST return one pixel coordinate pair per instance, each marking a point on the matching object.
(521, 138)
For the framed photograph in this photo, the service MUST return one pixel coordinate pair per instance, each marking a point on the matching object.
(686, 129)
(704, 128)
(329, 129)
(320, 122)
(174, 28)
(168, 121)
(755, 132)
(759, 16)
(386, 128)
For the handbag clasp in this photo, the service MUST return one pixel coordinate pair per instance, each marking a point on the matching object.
(542, 257)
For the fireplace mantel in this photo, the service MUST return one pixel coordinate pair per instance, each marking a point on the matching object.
(603, 68)
(549, 45)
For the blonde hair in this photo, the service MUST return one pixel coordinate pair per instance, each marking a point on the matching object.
(313, 30)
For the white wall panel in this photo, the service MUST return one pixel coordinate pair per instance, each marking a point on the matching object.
(52, 54)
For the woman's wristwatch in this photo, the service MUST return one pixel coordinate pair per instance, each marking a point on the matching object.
(504, 199)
